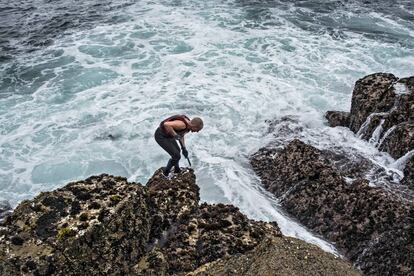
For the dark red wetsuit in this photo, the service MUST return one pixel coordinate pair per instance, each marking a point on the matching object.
(182, 118)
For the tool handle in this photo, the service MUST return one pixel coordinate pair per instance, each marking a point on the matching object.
(188, 159)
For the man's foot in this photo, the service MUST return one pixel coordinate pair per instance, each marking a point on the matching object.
(177, 170)
(165, 172)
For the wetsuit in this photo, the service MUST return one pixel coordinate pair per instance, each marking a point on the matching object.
(167, 141)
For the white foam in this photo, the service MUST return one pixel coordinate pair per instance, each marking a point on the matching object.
(386, 134)
(377, 133)
(401, 89)
(367, 122)
(400, 163)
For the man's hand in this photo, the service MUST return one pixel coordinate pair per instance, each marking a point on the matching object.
(185, 152)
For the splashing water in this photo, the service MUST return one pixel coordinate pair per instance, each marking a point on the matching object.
(90, 102)
(377, 133)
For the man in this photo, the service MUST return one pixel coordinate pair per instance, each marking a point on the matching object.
(172, 130)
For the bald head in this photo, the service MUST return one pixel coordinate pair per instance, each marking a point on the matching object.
(197, 124)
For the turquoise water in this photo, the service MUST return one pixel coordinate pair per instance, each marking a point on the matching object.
(90, 101)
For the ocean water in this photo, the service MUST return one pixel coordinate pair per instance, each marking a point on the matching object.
(83, 87)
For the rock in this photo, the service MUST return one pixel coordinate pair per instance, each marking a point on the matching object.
(5, 208)
(409, 174)
(403, 110)
(106, 226)
(337, 118)
(278, 177)
(372, 94)
(401, 247)
(352, 216)
(352, 165)
(382, 111)
(279, 256)
(189, 234)
(400, 140)
(43, 236)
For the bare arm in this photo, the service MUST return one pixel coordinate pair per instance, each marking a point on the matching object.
(182, 142)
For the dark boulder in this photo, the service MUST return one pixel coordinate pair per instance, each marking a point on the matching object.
(54, 240)
(409, 174)
(372, 94)
(400, 141)
(353, 215)
(401, 247)
(382, 112)
(338, 118)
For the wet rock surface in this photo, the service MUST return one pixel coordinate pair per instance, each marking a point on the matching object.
(5, 208)
(372, 94)
(382, 112)
(337, 118)
(400, 141)
(107, 226)
(351, 166)
(409, 174)
(362, 221)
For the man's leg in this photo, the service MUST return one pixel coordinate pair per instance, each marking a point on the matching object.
(168, 168)
(176, 158)
(171, 147)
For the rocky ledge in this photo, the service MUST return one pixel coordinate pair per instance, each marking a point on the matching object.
(281, 256)
(106, 226)
(382, 112)
(327, 191)
(372, 227)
